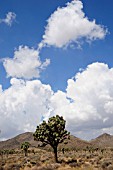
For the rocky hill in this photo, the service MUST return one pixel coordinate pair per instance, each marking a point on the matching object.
(104, 140)
(16, 142)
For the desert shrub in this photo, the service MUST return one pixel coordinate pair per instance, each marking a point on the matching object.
(12, 167)
(105, 164)
(12, 151)
(111, 149)
(73, 164)
(33, 151)
(33, 163)
(67, 149)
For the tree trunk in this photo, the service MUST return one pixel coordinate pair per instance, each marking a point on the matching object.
(55, 154)
(25, 153)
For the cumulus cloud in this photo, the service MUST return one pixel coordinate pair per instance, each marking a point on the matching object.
(10, 18)
(25, 64)
(86, 105)
(69, 25)
(22, 106)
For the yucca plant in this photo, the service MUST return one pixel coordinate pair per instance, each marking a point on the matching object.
(52, 132)
(25, 147)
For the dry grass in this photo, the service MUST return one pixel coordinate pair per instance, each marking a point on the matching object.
(39, 159)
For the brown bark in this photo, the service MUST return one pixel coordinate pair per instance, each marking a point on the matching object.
(55, 154)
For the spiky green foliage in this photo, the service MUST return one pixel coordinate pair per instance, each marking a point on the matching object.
(25, 147)
(52, 132)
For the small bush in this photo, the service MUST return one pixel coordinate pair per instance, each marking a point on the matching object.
(105, 164)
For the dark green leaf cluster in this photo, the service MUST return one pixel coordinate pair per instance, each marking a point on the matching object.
(25, 146)
(53, 132)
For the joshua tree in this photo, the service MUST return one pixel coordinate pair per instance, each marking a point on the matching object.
(25, 147)
(52, 132)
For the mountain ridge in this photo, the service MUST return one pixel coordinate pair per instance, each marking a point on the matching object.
(104, 140)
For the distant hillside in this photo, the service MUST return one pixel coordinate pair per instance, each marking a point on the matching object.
(15, 142)
(104, 140)
(76, 143)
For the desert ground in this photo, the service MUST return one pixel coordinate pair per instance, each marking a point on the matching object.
(78, 155)
(40, 159)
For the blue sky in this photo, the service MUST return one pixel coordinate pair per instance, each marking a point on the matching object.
(29, 28)
(59, 59)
